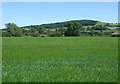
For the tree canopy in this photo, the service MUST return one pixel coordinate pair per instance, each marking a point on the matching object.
(13, 30)
(73, 29)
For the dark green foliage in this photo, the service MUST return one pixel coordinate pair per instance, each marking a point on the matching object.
(0, 33)
(88, 28)
(73, 29)
(91, 32)
(56, 34)
(84, 29)
(55, 25)
(64, 24)
(86, 22)
(99, 27)
(108, 33)
(118, 24)
(115, 35)
(61, 29)
(11, 25)
(77, 33)
(36, 35)
(111, 25)
(101, 33)
(33, 30)
(107, 24)
(13, 30)
(41, 29)
(6, 34)
(18, 33)
(68, 28)
(25, 31)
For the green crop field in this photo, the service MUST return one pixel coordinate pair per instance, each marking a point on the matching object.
(59, 59)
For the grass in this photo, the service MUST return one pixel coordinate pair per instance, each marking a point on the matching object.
(0, 59)
(60, 59)
(101, 23)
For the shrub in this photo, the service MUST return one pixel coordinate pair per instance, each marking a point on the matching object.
(115, 35)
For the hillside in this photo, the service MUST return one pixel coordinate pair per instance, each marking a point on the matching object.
(101, 23)
(64, 24)
(76, 28)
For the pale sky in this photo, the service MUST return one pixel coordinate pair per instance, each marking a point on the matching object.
(35, 13)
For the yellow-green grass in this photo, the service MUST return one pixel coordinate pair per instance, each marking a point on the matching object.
(101, 23)
(60, 59)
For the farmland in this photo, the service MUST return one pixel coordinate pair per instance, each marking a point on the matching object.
(59, 59)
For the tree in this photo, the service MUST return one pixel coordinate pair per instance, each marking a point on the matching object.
(56, 34)
(107, 24)
(101, 32)
(33, 30)
(70, 30)
(11, 25)
(91, 32)
(88, 28)
(6, 34)
(73, 29)
(0, 33)
(41, 29)
(77, 32)
(104, 28)
(84, 29)
(36, 35)
(13, 29)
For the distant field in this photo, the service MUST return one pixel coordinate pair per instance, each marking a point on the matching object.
(60, 59)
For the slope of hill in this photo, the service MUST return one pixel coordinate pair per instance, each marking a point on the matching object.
(64, 24)
(101, 23)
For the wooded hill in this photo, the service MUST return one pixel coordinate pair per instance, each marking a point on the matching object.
(68, 28)
(64, 24)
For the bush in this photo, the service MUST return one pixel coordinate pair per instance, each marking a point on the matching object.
(6, 34)
(36, 34)
(55, 34)
(115, 35)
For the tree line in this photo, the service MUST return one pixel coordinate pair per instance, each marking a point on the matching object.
(71, 29)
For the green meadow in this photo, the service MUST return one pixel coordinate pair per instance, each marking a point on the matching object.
(59, 59)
